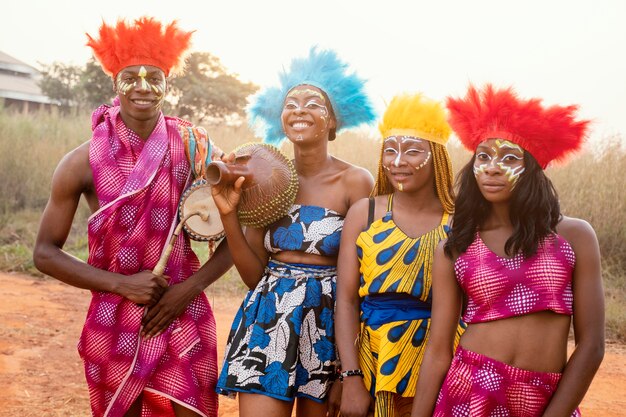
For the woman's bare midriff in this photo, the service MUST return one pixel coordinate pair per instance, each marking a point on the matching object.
(295, 257)
(535, 342)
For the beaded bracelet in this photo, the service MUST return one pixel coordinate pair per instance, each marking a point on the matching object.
(350, 372)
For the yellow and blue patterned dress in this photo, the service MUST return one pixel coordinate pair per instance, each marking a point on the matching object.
(396, 298)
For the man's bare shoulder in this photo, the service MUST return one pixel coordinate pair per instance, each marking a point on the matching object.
(78, 155)
(74, 170)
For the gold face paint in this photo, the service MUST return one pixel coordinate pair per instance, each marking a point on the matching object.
(306, 91)
(126, 81)
(423, 164)
(142, 74)
(508, 162)
(123, 86)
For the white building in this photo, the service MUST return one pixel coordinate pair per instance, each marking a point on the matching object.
(18, 85)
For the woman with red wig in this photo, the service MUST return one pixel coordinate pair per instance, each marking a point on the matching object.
(522, 271)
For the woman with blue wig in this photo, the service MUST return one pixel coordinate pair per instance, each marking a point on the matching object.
(282, 342)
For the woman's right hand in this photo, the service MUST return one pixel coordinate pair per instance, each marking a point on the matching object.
(227, 196)
(356, 401)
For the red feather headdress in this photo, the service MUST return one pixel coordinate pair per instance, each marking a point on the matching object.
(144, 42)
(549, 133)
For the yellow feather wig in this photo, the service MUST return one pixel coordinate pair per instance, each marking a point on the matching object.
(415, 115)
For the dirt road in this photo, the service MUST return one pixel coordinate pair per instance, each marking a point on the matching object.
(41, 374)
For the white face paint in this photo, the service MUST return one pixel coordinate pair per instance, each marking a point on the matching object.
(506, 155)
(305, 107)
(400, 154)
(403, 148)
(312, 104)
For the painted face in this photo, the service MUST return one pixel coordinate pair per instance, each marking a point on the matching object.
(141, 79)
(403, 157)
(141, 89)
(306, 114)
(498, 165)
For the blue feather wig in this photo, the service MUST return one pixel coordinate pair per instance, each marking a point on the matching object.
(322, 69)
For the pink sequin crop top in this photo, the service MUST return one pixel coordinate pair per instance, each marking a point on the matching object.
(499, 288)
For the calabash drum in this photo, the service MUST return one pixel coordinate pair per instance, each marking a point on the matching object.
(270, 187)
(206, 225)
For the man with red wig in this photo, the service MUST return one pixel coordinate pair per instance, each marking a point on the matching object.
(148, 343)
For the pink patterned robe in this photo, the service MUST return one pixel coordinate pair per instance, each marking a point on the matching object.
(139, 184)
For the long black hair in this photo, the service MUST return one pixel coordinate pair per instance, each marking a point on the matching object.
(534, 210)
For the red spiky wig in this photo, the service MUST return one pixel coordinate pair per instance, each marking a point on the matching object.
(144, 42)
(549, 133)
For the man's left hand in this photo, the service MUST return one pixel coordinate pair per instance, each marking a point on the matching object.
(171, 305)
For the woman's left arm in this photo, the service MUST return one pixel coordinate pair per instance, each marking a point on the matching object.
(588, 318)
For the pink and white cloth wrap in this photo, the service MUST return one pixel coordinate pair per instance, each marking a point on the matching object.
(478, 386)
(139, 184)
(498, 288)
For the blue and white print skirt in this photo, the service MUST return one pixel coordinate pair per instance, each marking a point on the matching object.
(282, 341)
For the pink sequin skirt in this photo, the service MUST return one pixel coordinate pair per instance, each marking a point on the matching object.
(479, 386)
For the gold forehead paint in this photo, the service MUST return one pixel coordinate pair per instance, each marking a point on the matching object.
(306, 91)
(501, 143)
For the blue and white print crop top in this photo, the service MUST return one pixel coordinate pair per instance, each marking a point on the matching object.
(309, 229)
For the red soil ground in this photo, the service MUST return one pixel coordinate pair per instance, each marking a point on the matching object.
(41, 373)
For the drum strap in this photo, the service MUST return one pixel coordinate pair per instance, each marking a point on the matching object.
(198, 148)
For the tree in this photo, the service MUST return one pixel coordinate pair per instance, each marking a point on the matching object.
(60, 82)
(76, 86)
(207, 90)
(95, 86)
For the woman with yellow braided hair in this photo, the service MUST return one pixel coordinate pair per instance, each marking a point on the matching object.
(384, 280)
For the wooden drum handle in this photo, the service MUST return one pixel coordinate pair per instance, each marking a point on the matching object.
(159, 269)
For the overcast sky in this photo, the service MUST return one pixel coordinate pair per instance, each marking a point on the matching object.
(563, 51)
